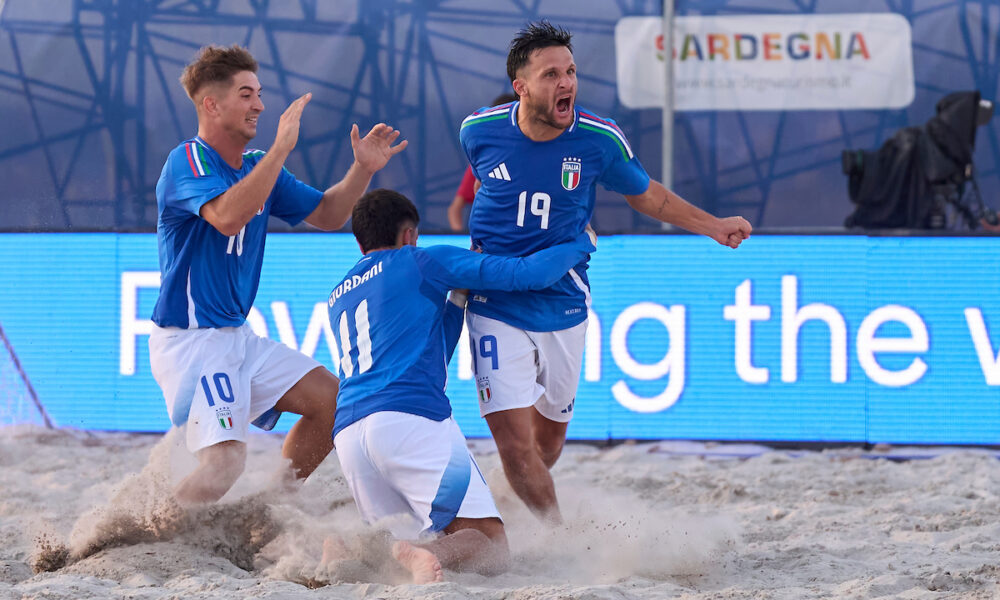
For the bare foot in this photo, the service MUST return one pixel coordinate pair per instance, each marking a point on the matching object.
(421, 563)
(333, 549)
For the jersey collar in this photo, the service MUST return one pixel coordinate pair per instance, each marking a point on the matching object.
(513, 117)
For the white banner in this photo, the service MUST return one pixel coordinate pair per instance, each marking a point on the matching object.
(777, 62)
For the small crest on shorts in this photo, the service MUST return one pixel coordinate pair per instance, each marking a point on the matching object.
(483, 385)
(225, 417)
(571, 169)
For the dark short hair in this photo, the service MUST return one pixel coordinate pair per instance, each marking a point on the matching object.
(504, 99)
(216, 64)
(379, 216)
(533, 37)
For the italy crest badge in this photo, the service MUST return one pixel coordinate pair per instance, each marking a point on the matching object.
(571, 173)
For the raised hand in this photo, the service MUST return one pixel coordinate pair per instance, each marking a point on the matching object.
(288, 125)
(732, 231)
(375, 149)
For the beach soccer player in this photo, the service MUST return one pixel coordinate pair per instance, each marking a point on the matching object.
(403, 455)
(539, 161)
(214, 198)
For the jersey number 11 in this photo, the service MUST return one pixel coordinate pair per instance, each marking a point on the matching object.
(362, 343)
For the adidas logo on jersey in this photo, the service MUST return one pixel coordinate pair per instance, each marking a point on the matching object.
(500, 173)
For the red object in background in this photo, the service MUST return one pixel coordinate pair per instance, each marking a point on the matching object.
(466, 189)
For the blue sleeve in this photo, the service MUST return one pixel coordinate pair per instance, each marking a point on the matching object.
(293, 200)
(467, 138)
(624, 173)
(187, 190)
(449, 267)
(454, 319)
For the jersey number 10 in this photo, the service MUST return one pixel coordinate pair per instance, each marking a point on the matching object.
(362, 344)
(540, 202)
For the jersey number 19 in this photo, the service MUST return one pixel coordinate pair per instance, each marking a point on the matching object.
(362, 343)
(540, 202)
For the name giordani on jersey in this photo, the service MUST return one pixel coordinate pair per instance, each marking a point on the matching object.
(352, 282)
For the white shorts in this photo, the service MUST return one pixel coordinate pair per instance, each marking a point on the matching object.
(219, 380)
(412, 474)
(515, 368)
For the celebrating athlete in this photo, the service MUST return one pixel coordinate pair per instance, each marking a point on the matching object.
(214, 198)
(401, 451)
(539, 161)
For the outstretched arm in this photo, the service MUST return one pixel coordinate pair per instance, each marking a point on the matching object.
(371, 153)
(457, 268)
(230, 211)
(663, 205)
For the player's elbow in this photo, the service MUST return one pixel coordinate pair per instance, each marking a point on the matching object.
(329, 215)
(227, 227)
(328, 224)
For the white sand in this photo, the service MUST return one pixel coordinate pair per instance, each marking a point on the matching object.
(644, 522)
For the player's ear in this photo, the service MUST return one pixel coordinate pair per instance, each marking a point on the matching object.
(518, 85)
(209, 104)
(408, 236)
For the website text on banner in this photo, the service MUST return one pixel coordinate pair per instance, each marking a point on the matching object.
(774, 62)
(798, 338)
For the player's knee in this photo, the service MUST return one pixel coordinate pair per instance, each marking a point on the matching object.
(498, 561)
(518, 458)
(549, 451)
(321, 403)
(491, 554)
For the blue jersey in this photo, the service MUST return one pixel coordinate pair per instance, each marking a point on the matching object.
(208, 279)
(396, 331)
(536, 194)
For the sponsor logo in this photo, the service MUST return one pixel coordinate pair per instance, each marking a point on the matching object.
(500, 172)
(478, 298)
(225, 417)
(796, 45)
(571, 168)
(569, 407)
(768, 62)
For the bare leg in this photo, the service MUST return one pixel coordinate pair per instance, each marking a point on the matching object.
(527, 472)
(219, 466)
(478, 545)
(309, 441)
(550, 437)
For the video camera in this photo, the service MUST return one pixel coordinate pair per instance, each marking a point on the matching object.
(917, 178)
